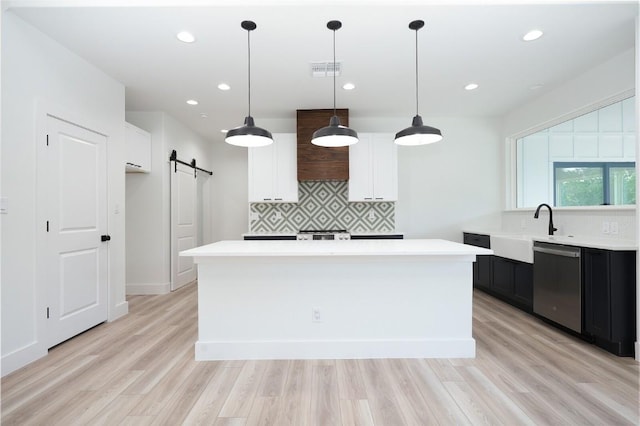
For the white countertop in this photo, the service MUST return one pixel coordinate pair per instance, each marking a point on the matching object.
(411, 247)
(289, 234)
(599, 243)
(573, 240)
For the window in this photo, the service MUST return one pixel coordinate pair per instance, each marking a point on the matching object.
(588, 160)
(591, 184)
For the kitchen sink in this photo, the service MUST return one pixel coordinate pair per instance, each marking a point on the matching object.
(513, 246)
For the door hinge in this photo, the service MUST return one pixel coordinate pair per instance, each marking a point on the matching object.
(47, 226)
(47, 140)
(47, 312)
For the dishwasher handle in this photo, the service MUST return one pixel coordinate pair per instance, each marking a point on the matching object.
(558, 252)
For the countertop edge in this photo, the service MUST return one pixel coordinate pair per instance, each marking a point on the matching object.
(587, 242)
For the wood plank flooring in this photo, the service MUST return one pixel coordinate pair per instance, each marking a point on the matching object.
(140, 370)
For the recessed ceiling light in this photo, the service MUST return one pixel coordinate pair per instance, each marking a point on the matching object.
(192, 102)
(532, 35)
(349, 86)
(185, 37)
(223, 131)
(471, 86)
(224, 86)
(203, 115)
(536, 86)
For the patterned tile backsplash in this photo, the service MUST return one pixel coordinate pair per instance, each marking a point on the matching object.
(322, 205)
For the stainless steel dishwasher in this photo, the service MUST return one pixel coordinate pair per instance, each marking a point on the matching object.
(557, 284)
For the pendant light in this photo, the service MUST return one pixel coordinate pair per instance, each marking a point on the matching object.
(334, 134)
(418, 133)
(248, 135)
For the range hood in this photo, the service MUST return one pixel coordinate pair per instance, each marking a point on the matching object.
(316, 162)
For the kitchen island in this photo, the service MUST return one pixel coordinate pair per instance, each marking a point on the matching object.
(334, 299)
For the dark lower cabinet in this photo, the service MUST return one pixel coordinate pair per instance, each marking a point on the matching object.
(513, 282)
(503, 276)
(523, 285)
(609, 291)
(483, 271)
(482, 267)
(609, 279)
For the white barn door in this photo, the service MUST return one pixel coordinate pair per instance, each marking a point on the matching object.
(184, 226)
(74, 178)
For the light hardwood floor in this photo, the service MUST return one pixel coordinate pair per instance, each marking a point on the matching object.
(141, 370)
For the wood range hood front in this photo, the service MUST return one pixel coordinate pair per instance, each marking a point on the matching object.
(317, 162)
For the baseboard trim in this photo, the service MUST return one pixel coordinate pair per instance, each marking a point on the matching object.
(343, 349)
(21, 357)
(637, 345)
(137, 289)
(120, 310)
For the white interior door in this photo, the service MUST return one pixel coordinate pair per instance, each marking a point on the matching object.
(183, 224)
(75, 178)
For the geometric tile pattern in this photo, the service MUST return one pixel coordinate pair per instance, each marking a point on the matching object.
(322, 205)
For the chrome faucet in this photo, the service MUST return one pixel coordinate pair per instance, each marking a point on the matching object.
(537, 213)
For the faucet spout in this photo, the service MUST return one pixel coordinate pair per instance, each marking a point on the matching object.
(537, 213)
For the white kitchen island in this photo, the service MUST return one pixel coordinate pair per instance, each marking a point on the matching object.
(334, 299)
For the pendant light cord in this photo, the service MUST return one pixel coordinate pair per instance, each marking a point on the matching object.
(417, 73)
(334, 72)
(249, 67)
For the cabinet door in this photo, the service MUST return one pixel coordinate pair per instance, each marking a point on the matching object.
(597, 297)
(272, 171)
(261, 173)
(384, 163)
(503, 276)
(286, 173)
(137, 149)
(373, 168)
(484, 268)
(360, 171)
(523, 284)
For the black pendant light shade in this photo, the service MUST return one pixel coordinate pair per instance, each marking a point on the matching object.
(418, 133)
(335, 134)
(248, 135)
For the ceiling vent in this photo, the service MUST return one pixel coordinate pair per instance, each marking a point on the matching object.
(325, 69)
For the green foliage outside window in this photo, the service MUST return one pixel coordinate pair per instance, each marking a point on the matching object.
(590, 184)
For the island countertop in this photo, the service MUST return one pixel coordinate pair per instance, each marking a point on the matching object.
(408, 247)
(335, 299)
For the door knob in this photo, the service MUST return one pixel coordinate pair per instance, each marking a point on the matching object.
(104, 238)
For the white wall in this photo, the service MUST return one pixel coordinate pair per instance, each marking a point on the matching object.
(37, 70)
(576, 96)
(603, 81)
(443, 187)
(148, 234)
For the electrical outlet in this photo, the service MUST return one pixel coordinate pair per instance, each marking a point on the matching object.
(277, 215)
(613, 227)
(605, 227)
(316, 315)
(372, 215)
(255, 216)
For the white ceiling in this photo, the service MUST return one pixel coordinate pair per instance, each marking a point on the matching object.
(460, 43)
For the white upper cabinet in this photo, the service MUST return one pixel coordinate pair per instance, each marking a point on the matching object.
(273, 176)
(137, 149)
(373, 168)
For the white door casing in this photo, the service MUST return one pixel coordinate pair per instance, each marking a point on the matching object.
(183, 223)
(73, 170)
